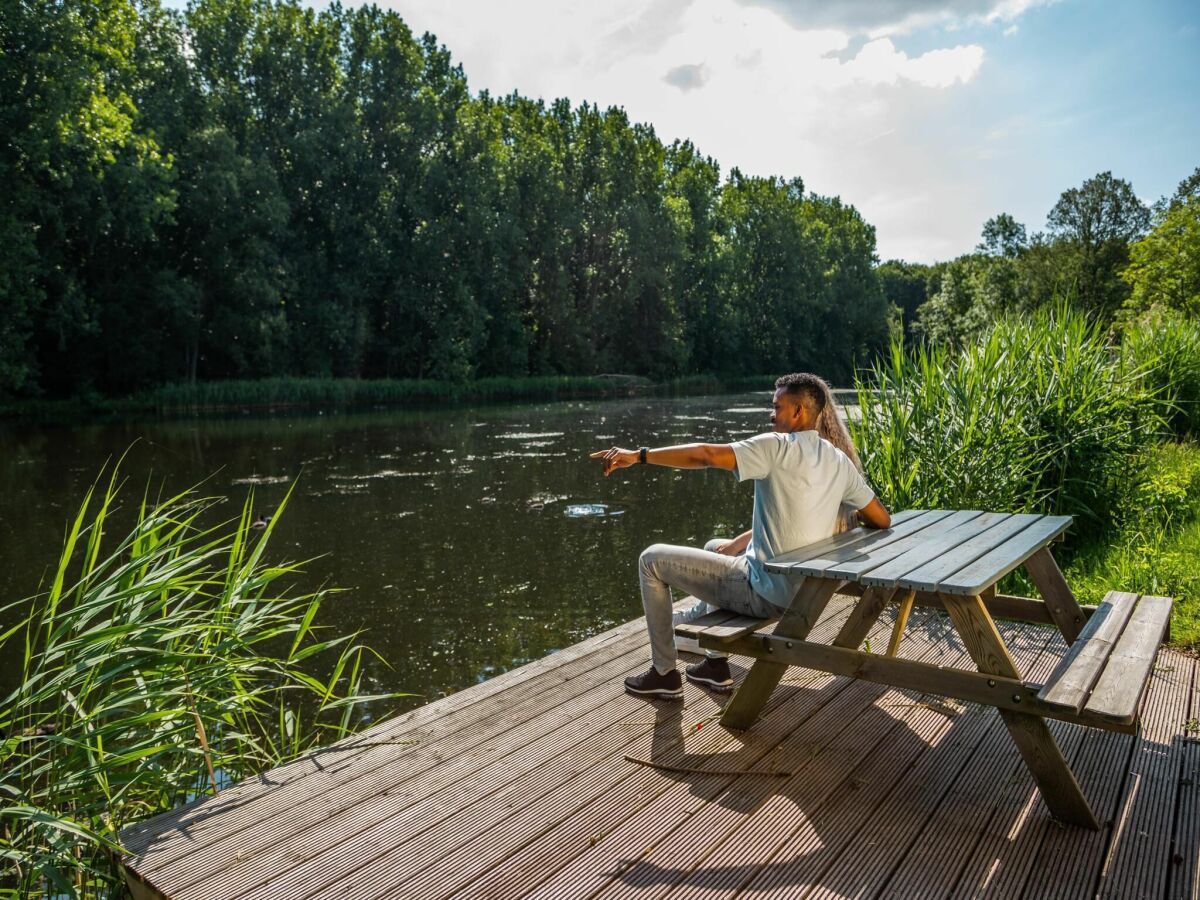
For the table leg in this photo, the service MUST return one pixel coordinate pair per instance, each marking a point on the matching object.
(1041, 752)
(863, 617)
(902, 615)
(808, 604)
(1056, 594)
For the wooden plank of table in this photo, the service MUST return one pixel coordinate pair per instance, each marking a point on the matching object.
(854, 561)
(892, 572)
(1060, 600)
(1005, 693)
(1041, 753)
(863, 617)
(928, 577)
(1123, 681)
(760, 681)
(903, 523)
(1073, 679)
(997, 563)
(902, 614)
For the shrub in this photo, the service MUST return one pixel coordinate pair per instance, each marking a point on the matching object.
(1039, 415)
(1166, 349)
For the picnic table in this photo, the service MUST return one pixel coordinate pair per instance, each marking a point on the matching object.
(953, 559)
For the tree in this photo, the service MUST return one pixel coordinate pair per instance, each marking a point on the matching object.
(1003, 236)
(1099, 220)
(1164, 266)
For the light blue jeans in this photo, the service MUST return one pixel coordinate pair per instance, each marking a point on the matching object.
(721, 581)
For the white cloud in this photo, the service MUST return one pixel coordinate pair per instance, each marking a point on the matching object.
(751, 90)
(880, 18)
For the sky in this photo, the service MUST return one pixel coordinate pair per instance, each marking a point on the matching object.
(930, 116)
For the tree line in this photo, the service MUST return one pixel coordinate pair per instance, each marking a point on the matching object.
(255, 187)
(1104, 252)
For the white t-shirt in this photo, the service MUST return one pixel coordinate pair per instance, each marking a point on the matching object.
(800, 484)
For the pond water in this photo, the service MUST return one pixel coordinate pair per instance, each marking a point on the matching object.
(469, 540)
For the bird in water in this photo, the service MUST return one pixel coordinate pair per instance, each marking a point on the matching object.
(261, 522)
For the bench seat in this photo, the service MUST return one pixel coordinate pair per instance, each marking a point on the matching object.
(1107, 668)
(722, 626)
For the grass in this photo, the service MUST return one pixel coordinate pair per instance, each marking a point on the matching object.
(1040, 415)
(1157, 544)
(155, 667)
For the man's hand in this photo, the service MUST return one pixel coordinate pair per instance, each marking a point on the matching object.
(616, 458)
(736, 545)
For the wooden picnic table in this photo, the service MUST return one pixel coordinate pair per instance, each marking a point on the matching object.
(953, 559)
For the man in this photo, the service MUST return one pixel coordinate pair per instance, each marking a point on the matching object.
(800, 484)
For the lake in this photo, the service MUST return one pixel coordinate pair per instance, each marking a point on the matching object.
(468, 540)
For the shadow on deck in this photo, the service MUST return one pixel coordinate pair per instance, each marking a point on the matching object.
(551, 782)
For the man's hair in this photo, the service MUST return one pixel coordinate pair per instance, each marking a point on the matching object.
(806, 389)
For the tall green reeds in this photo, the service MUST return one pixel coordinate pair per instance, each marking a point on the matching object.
(1166, 348)
(1041, 414)
(156, 667)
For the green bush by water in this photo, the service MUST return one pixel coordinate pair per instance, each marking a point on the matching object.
(136, 645)
(1166, 348)
(1039, 415)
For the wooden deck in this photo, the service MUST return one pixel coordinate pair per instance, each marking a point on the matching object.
(520, 787)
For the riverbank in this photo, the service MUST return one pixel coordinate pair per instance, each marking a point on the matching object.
(268, 394)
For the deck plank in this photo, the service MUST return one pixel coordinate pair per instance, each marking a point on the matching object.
(752, 816)
(524, 791)
(512, 685)
(942, 846)
(1140, 848)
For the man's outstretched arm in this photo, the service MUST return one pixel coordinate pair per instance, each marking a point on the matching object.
(682, 456)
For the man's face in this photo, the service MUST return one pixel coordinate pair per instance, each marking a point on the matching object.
(786, 413)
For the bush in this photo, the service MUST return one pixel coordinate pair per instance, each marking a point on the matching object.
(1166, 349)
(1039, 415)
(1159, 540)
(153, 670)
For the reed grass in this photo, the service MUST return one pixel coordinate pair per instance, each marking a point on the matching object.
(155, 667)
(1039, 415)
(1166, 348)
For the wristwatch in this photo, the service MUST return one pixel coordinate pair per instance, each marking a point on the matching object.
(642, 454)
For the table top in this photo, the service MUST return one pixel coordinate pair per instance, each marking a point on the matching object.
(950, 551)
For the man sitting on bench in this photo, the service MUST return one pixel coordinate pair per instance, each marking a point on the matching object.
(800, 484)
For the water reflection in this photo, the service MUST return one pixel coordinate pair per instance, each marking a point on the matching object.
(469, 540)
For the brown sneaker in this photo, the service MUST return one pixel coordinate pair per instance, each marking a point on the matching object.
(651, 684)
(712, 673)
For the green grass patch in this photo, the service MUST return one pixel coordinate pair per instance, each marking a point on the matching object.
(1157, 543)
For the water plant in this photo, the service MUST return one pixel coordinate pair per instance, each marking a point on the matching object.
(1039, 415)
(1165, 347)
(155, 668)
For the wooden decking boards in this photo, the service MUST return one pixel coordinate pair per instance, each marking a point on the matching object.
(520, 788)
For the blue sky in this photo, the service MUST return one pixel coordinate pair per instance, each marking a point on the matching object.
(929, 115)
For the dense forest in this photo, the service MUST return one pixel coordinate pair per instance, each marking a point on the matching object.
(256, 188)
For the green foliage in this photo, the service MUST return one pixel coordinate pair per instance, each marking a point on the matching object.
(1164, 266)
(135, 642)
(906, 287)
(255, 188)
(1038, 415)
(1165, 348)
(1159, 539)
